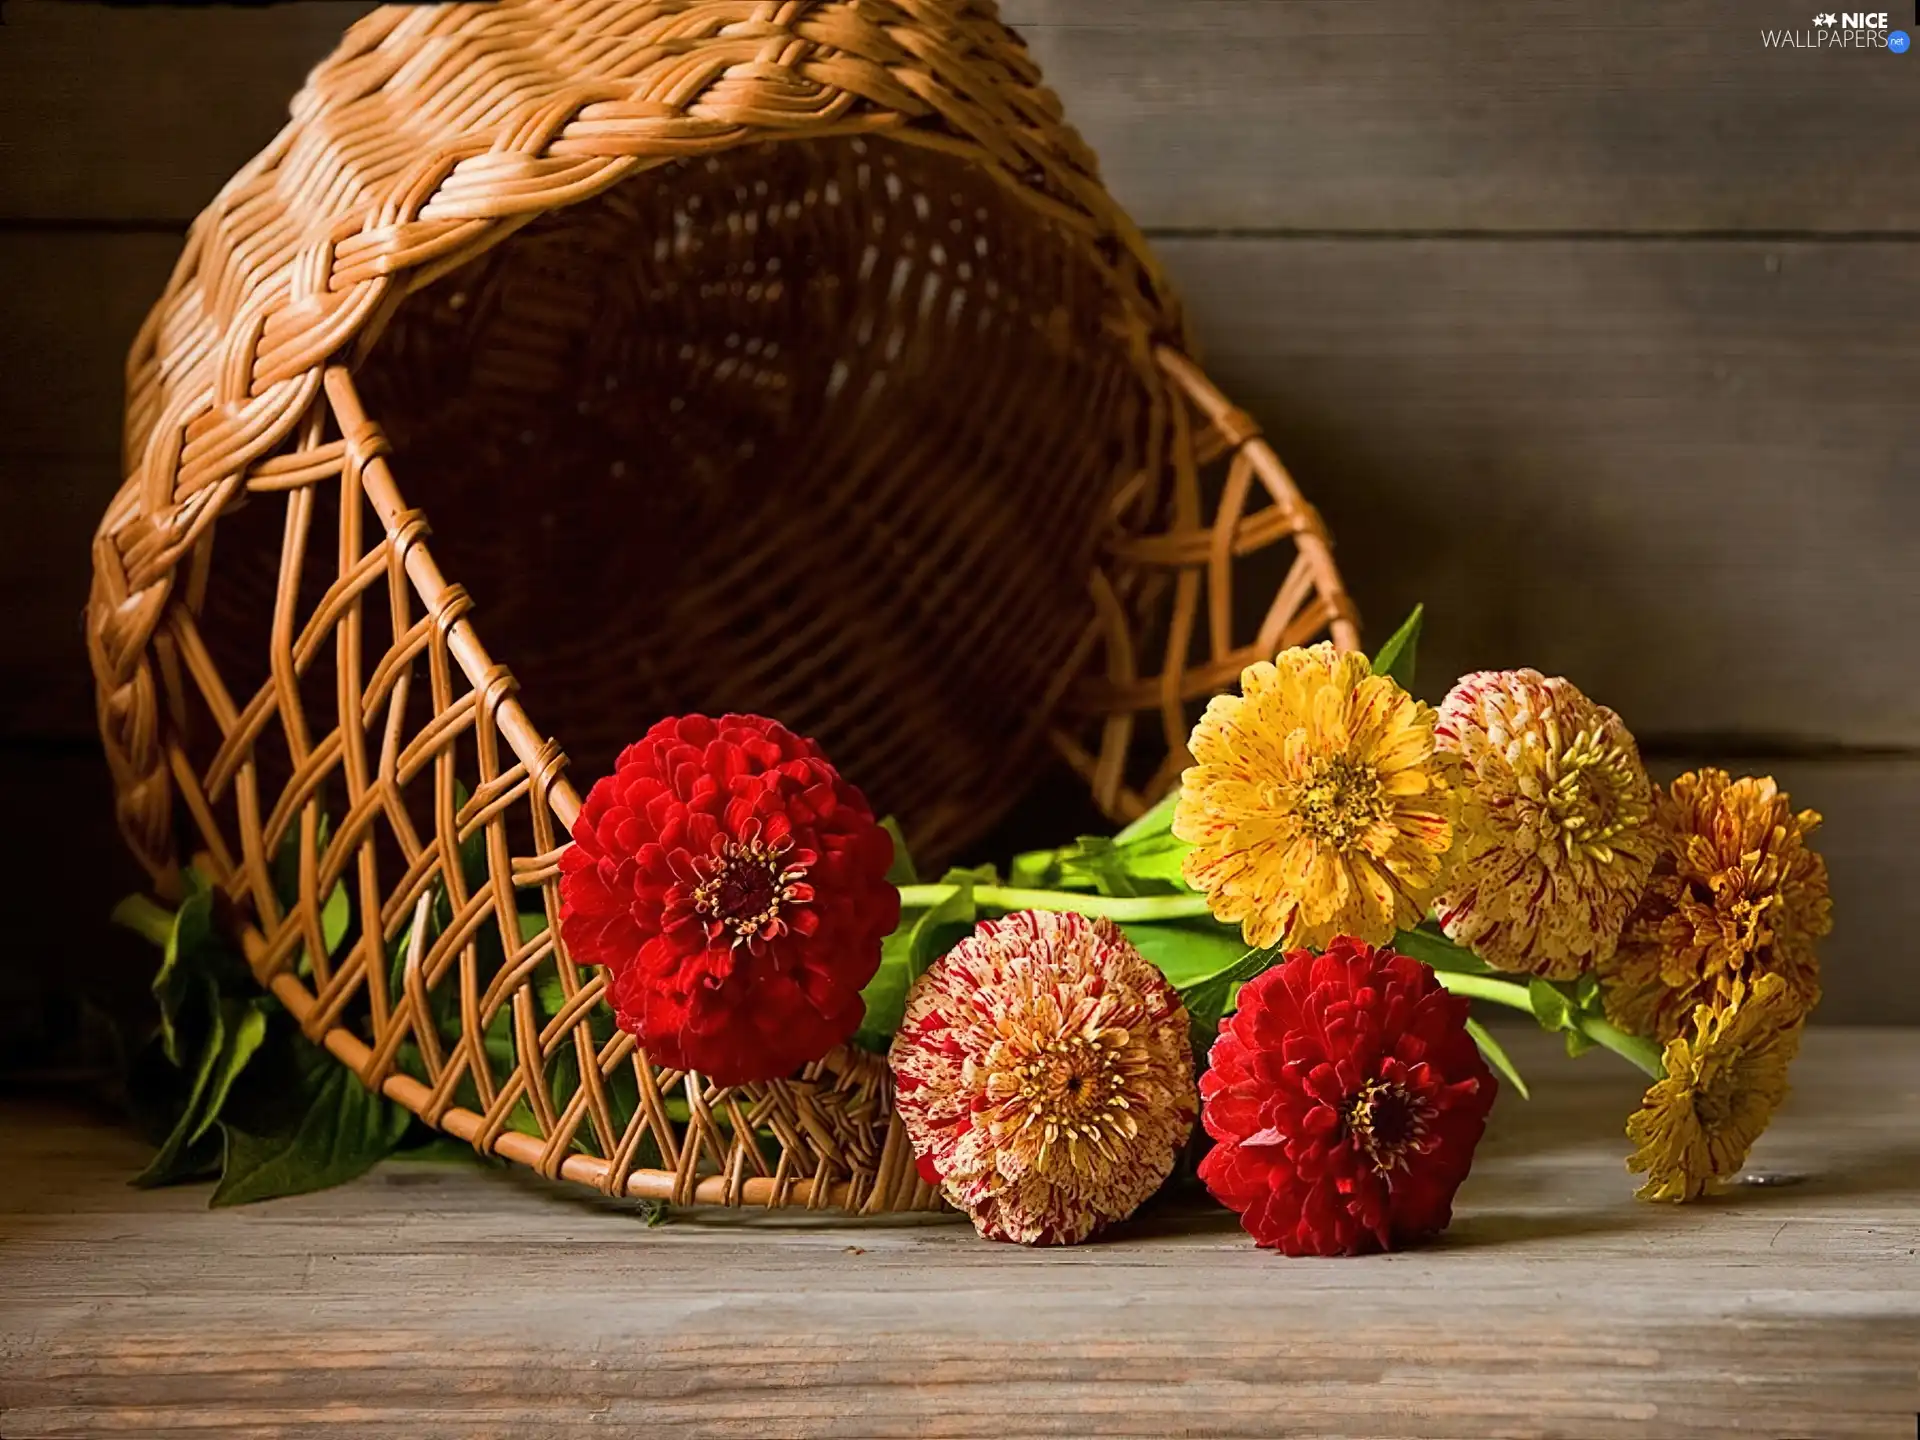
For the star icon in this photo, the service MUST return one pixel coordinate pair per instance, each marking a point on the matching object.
(1824, 19)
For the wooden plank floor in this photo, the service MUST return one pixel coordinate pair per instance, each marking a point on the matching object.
(450, 1299)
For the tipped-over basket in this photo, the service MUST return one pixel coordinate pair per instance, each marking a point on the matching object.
(786, 358)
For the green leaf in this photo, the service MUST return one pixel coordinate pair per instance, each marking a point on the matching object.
(1156, 820)
(441, 1149)
(1156, 857)
(343, 1130)
(174, 1161)
(921, 938)
(234, 1034)
(938, 930)
(1497, 1057)
(335, 916)
(1439, 953)
(561, 1085)
(157, 1094)
(901, 872)
(1188, 953)
(886, 994)
(1150, 865)
(497, 1042)
(1396, 657)
(1036, 869)
(286, 860)
(1586, 991)
(182, 968)
(1578, 1042)
(180, 1163)
(1550, 1007)
(1091, 862)
(1209, 999)
(243, 1026)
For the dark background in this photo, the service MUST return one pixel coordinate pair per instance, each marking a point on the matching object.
(1592, 323)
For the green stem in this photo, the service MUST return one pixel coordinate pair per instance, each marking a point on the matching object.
(146, 919)
(1126, 909)
(1642, 1054)
(1485, 987)
(1156, 819)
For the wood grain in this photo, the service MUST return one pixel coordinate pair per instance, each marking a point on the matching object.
(1602, 115)
(1682, 473)
(1230, 114)
(48, 509)
(69, 307)
(141, 113)
(450, 1299)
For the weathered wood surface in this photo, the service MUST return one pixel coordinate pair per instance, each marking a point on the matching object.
(1230, 114)
(141, 113)
(436, 1299)
(1686, 475)
(1494, 115)
(1683, 474)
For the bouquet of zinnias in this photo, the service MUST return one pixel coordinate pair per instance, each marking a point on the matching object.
(1303, 923)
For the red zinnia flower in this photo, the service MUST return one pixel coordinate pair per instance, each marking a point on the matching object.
(1346, 1096)
(734, 887)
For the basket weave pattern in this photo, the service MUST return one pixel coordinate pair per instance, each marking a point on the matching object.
(969, 379)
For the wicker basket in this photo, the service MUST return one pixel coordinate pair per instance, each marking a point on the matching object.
(784, 357)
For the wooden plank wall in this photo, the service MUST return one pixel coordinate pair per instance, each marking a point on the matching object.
(1590, 322)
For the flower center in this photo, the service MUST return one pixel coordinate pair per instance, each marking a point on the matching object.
(1340, 800)
(1749, 918)
(1591, 800)
(1066, 1082)
(746, 886)
(1386, 1124)
(1713, 1100)
(1065, 1099)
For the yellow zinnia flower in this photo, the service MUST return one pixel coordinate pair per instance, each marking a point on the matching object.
(1736, 893)
(1319, 805)
(1724, 1081)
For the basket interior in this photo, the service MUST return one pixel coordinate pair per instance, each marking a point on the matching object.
(828, 430)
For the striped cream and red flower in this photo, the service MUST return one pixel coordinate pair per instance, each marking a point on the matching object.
(1557, 833)
(1044, 1073)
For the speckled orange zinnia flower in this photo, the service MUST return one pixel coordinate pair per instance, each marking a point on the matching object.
(1319, 805)
(1736, 894)
(1556, 823)
(1044, 1073)
(1725, 1078)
